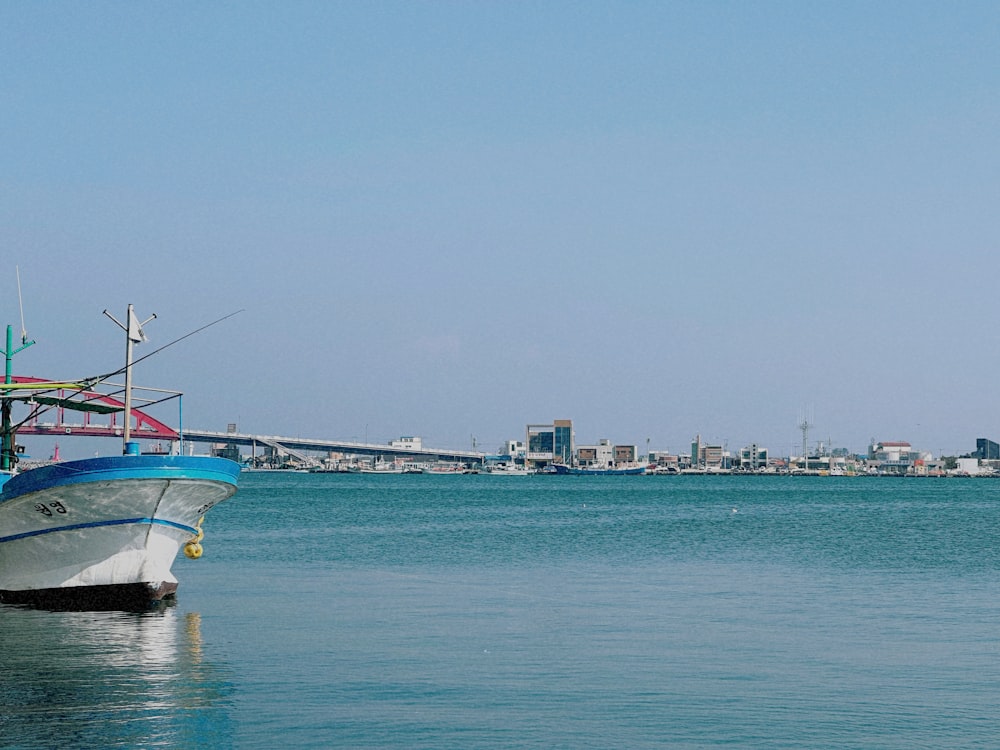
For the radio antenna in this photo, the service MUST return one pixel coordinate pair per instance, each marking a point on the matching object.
(20, 304)
(157, 351)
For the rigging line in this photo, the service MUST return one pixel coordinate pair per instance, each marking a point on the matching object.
(56, 386)
(37, 411)
(89, 382)
(86, 397)
(120, 370)
(147, 404)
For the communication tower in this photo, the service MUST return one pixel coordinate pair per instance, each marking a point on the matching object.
(804, 426)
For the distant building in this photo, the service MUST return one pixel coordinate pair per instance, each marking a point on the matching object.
(987, 450)
(889, 451)
(626, 455)
(753, 458)
(406, 443)
(511, 453)
(892, 457)
(601, 454)
(513, 449)
(226, 450)
(968, 466)
(222, 450)
(664, 459)
(708, 456)
(549, 443)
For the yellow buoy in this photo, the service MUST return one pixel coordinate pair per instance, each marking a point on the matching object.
(201, 532)
(192, 550)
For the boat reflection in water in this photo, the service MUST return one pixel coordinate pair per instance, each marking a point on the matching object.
(110, 679)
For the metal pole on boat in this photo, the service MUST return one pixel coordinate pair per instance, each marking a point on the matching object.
(133, 335)
(8, 435)
(128, 379)
(180, 425)
(7, 448)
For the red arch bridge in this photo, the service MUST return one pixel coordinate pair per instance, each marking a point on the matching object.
(86, 413)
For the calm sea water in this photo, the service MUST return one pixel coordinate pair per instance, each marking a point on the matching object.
(356, 611)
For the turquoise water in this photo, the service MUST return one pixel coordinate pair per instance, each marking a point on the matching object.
(360, 611)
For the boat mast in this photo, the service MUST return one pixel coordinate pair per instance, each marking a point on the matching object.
(7, 458)
(133, 335)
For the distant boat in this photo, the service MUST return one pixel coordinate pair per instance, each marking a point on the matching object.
(99, 533)
(444, 470)
(593, 471)
(507, 470)
(664, 470)
(381, 469)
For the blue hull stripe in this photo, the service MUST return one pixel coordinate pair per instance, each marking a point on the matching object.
(96, 524)
(115, 468)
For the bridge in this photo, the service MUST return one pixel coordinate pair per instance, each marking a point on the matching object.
(99, 414)
(297, 447)
(292, 445)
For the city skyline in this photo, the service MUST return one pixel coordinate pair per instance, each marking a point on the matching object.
(74, 444)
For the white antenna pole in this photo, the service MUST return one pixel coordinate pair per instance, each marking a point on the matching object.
(133, 334)
(20, 304)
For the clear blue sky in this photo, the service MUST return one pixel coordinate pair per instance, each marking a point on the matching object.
(451, 219)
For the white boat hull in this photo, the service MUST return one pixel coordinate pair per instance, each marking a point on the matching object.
(111, 530)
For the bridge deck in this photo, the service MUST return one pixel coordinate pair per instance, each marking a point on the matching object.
(293, 443)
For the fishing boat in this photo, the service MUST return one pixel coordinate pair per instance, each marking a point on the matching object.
(507, 469)
(99, 533)
(387, 469)
(593, 471)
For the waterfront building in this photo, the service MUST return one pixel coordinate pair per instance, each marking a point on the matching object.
(968, 466)
(511, 453)
(549, 443)
(665, 460)
(889, 451)
(601, 454)
(512, 449)
(221, 450)
(605, 454)
(709, 456)
(626, 455)
(753, 458)
(987, 450)
(897, 457)
(714, 457)
(825, 463)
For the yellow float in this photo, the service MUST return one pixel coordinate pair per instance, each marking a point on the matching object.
(193, 549)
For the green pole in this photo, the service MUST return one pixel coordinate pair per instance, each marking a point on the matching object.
(7, 450)
(8, 432)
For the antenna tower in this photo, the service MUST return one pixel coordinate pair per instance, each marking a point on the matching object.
(805, 440)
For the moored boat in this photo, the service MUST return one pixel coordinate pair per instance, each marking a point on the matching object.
(592, 471)
(98, 533)
(507, 470)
